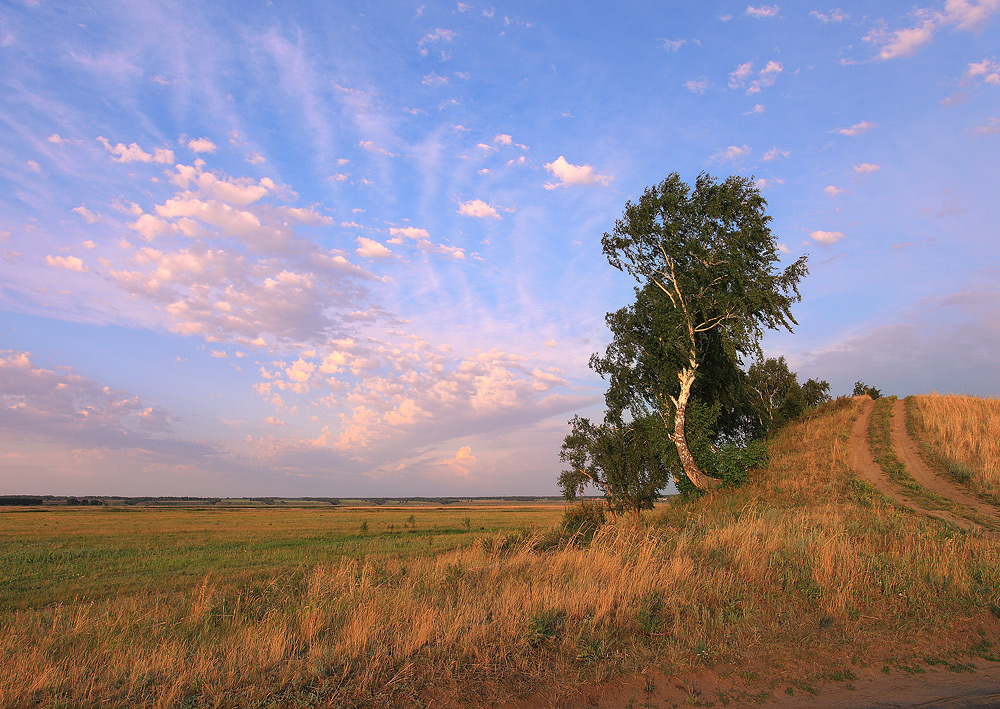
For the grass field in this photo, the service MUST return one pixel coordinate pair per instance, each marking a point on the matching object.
(65, 554)
(963, 434)
(190, 608)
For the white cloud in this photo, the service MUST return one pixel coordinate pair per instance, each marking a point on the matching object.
(478, 208)
(990, 127)
(966, 15)
(672, 45)
(570, 174)
(866, 168)
(369, 248)
(857, 129)
(758, 108)
(731, 154)
(762, 11)
(503, 139)
(696, 86)
(765, 182)
(739, 75)
(372, 147)
(133, 153)
(33, 166)
(433, 79)
(255, 159)
(988, 68)
(70, 263)
(86, 214)
(827, 237)
(202, 145)
(774, 153)
(409, 232)
(833, 191)
(836, 15)
(57, 139)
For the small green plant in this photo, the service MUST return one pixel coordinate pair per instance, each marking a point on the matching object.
(363, 529)
(545, 626)
(467, 521)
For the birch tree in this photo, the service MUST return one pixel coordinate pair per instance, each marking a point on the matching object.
(705, 262)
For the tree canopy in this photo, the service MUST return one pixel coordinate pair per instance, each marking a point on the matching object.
(707, 287)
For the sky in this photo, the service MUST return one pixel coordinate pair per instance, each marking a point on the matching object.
(353, 248)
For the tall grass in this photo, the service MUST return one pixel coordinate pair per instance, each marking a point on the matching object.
(802, 556)
(965, 433)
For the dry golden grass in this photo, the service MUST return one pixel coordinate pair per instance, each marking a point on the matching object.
(964, 429)
(802, 557)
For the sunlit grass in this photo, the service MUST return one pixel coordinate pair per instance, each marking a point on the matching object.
(964, 431)
(803, 557)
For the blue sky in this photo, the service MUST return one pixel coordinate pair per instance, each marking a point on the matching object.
(354, 248)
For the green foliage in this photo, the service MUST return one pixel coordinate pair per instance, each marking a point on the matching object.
(777, 396)
(861, 389)
(583, 519)
(545, 626)
(625, 461)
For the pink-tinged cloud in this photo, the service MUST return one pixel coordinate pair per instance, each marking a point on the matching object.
(369, 248)
(989, 69)
(202, 145)
(833, 191)
(827, 238)
(133, 153)
(866, 168)
(86, 214)
(70, 263)
(857, 129)
(762, 11)
(408, 232)
(569, 174)
(479, 209)
(733, 153)
(966, 15)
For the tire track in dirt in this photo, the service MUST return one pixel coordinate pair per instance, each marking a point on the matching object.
(863, 463)
(906, 449)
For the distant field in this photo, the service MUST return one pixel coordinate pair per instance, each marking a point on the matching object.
(61, 554)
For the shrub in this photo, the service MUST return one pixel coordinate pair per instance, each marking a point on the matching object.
(583, 519)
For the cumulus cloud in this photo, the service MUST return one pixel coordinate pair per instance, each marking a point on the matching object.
(857, 129)
(133, 153)
(762, 11)
(835, 15)
(867, 168)
(369, 248)
(66, 407)
(733, 153)
(775, 153)
(827, 237)
(738, 78)
(696, 86)
(833, 191)
(672, 45)
(968, 15)
(478, 208)
(408, 232)
(988, 69)
(202, 145)
(86, 214)
(570, 174)
(70, 263)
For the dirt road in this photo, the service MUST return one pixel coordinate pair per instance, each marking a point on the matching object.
(906, 450)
